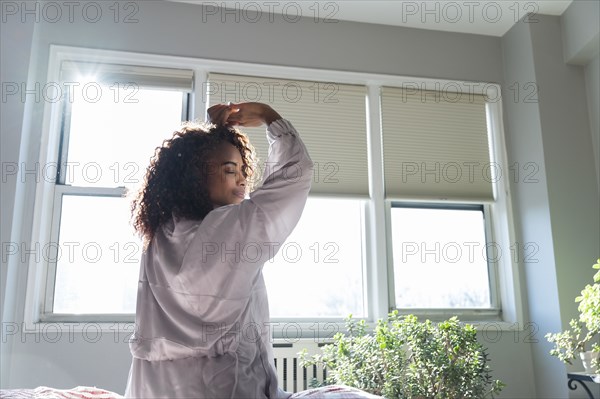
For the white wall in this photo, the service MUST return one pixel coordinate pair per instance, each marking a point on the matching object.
(178, 29)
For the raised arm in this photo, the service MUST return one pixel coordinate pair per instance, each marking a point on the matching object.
(287, 175)
(229, 235)
(278, 203)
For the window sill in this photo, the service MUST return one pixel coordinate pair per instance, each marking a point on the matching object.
(283, 331)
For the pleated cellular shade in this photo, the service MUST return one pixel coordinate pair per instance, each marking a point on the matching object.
(330, 118)
(141, 76)
(435, 146)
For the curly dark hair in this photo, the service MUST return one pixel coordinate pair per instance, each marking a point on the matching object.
(176, 179)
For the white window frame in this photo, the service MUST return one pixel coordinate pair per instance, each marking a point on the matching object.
(376, 209)
(60, 189)
(464, 314)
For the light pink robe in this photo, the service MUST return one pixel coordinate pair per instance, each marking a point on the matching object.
(202, 312)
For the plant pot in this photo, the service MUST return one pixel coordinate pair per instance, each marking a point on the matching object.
(586, 359)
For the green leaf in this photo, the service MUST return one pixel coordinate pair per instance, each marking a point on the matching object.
(406, 358)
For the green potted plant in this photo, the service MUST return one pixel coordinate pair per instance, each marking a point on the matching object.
(406, 358)
(582, 337)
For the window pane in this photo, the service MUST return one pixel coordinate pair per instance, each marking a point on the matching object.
(114, 133)
(98, 263)
(440, 258)
(318, 271)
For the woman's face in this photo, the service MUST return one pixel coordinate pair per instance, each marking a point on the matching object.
(226, 182)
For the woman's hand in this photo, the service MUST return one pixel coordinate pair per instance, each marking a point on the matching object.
(219, 113)
(251, 114)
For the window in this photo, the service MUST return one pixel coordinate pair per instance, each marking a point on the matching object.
(404, 211)
(437, 152)
(100, 274)
(440, 257)
(330, 117)
(318, 271)
(110, 127)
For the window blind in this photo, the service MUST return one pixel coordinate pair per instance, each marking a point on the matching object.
(330, 118)
(142, 76)
(435, 146)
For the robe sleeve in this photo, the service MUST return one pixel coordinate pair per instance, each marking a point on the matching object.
(287, 180)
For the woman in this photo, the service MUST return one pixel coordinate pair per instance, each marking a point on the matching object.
(202, 310)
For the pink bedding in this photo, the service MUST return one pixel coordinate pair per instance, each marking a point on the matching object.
(329, 392)
(52, 393)
(334, 392)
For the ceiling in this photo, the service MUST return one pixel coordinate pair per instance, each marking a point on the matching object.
(493, 18)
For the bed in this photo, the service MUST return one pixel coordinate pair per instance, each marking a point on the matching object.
(53, 393)
(330, 392)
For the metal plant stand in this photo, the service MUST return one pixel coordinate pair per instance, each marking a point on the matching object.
(593, 380)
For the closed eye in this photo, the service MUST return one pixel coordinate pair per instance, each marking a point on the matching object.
(233, 167)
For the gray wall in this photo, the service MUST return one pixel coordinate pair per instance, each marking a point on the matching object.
(15, 50)
(530, 202)
(592, 78)
(560, 224)
(581, 44)
(560, 212)
(580, 34)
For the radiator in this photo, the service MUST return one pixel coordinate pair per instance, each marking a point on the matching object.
(291, 376)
